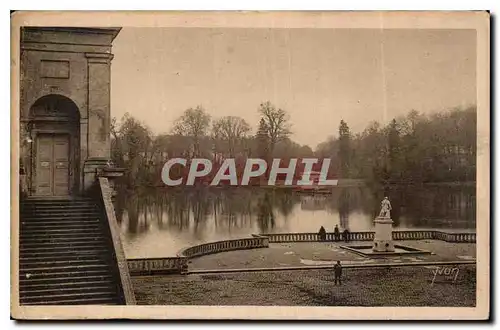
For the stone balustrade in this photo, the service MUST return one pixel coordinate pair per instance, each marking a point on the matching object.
(149, 266)
(412, 235)
(360, 236)
(314, 237)
(369, 236)
(179, 264)
(456, 237)
(222, 246)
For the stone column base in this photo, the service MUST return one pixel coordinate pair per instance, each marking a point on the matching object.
(112, 174)
(383, 235)
(91, 168)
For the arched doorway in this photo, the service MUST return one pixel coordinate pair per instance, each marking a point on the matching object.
(53, 132)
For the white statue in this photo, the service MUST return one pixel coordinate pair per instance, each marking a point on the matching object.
(385, 211)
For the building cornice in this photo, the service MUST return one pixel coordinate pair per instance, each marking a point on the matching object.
(112, 31)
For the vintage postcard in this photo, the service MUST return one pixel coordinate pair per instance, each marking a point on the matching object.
(250, 165)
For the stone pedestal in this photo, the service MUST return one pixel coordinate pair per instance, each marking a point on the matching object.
(383, 235)
(112, 174)
(91, 168)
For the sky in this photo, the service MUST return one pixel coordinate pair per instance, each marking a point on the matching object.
(319, 76)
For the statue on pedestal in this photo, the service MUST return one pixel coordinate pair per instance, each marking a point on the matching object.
(385, 210)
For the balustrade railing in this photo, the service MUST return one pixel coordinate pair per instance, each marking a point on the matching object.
(150, 266)
(222, 246)
(370, 235)
(178, 264)
(412, 234)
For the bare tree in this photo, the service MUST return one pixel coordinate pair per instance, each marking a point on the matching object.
(231, 131)
(194, 123)
(276, 123)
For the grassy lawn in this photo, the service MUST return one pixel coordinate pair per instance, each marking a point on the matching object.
(409, 286)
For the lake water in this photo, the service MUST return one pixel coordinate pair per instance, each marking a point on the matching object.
(160, 222)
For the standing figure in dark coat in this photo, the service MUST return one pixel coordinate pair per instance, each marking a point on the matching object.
(322, 234)
(337, 269)
(336, 233)
(346, 235)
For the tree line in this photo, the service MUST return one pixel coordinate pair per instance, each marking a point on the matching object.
(414, 148)
(195, 134)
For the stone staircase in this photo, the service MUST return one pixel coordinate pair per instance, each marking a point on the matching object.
(66, 256)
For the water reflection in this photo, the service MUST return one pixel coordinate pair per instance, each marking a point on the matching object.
(159, 222)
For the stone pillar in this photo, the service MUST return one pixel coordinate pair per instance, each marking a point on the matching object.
(25, 152)
(98, 139)
(383, 235)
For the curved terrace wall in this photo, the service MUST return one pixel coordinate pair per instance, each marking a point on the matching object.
(178, 265)
(223, 246)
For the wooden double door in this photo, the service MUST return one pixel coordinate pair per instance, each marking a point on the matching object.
(53, 165)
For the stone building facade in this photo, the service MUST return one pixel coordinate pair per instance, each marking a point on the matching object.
(64, 108)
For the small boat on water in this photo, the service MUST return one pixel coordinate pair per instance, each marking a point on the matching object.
(314, 187)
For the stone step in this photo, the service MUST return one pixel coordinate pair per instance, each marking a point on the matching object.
(61, 218)
(70, 248)
(62, 243)
(56, 206)
(64, 253)
(29, 236)
(52, 299)
(50, 208)
(82, 301)
(61, 202)
(47, 262)
(60, 277)
(35, 206)
(42, 200)
(52, 228)
(68, 273)
(64, 283)
(63, 280)
(59, 223)
(83, 288)
(61, 232)
(47, 269)
(67, 238)
(64, 258)
(61, 214)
